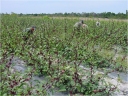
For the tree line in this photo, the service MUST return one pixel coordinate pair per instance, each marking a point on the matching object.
(83, 14)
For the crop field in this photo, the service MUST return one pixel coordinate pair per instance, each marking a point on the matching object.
(56, 51)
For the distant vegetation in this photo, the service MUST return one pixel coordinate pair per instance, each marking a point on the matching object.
(83, 14)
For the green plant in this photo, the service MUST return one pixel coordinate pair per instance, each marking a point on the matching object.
(56, 51)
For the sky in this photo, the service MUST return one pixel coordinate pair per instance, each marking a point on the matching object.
(62, 6)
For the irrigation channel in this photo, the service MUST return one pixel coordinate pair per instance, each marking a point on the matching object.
(19, 65)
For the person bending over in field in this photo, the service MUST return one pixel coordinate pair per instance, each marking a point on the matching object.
(97, 23)
(78, 25)
(28, 31)
(84, 26)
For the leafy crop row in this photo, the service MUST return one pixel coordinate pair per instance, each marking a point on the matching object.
(56, 51)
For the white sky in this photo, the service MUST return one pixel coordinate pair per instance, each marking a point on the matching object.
(62, 6)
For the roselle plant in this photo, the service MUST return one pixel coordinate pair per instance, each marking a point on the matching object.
(56, 51)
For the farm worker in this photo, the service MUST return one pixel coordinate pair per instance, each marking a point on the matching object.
(78, 24)
(97, 23)
(84, 26)
(28, 31)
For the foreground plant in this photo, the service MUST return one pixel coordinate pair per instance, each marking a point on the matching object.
(56, 51)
